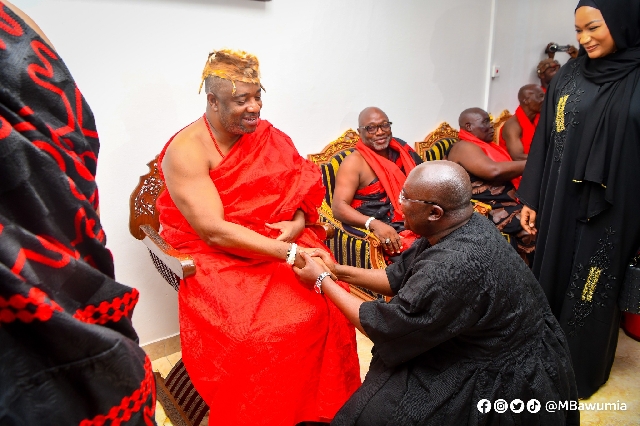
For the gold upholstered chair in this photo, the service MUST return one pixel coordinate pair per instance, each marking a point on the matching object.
(498, 123)
(350, 245)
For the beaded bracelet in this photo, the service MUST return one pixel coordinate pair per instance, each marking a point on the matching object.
(368, 222)
(291, 254)
(318, 286)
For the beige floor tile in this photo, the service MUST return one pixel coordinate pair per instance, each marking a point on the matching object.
(154, 350)
(160, 414)
(364, 353)
(161, 365)
(172, 345)
(623, 386)
(174, 358)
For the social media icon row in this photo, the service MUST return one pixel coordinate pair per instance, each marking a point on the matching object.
(516, 406)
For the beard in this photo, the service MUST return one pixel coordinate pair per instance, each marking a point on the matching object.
(233, 124)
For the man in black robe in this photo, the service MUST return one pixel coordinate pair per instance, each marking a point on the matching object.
(467, 322)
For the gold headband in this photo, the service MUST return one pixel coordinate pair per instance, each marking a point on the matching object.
(232, 65)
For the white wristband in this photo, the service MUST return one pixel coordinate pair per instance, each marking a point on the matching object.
(318, 286)
(368, 222)
(291, 254)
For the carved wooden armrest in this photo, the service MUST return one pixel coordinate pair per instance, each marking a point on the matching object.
(180, 264)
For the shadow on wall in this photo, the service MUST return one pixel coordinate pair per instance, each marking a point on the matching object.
(246, 4)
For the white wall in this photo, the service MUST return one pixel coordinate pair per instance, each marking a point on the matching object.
(522, 31)
(138, 63)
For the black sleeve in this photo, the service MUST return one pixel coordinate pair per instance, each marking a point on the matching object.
(444, 297)
(529, 190)
(397, 270)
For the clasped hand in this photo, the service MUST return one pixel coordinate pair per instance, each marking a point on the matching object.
(315, 263)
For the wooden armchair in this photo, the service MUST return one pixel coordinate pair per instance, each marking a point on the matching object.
(350, 245)
(144, 225)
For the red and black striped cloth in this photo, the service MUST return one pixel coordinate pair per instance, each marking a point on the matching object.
(68, 351)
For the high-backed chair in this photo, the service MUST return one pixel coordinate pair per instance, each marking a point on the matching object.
(436, 145)
(350, 245)
(498, 123)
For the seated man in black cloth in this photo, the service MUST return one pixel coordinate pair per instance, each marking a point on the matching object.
(494, 177)
(468, 321)
(369, 180)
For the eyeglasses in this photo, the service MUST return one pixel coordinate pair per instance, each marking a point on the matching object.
(374, 127)
(402, 198)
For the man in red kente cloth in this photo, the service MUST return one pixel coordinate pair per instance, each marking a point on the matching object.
(494, 177)
(261, 348)
(369, 181)
(518, 130)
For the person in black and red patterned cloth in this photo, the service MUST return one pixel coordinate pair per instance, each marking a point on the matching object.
(69, 353)
(369, 180)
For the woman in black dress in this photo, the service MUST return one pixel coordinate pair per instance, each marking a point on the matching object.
(581, 185)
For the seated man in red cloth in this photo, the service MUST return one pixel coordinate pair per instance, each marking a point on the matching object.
(259, 347)
(517, 132)
(494, 177)
(369, 181)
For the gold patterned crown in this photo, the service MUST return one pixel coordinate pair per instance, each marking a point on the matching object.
(232, 65)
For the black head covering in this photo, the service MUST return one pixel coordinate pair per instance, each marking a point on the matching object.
(605, 124)
(589, 3)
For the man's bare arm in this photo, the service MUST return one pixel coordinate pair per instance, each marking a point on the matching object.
(474, 161)
(186, 170)
(347, 183)
(373, 279)
(348, 304)
(512, 134)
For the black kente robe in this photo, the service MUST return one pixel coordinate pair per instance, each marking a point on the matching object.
(468, 322)
(68, 351)
(580, 263)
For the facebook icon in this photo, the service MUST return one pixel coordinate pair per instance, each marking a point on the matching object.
(484, 406)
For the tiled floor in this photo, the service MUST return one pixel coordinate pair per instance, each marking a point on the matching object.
(623, 385)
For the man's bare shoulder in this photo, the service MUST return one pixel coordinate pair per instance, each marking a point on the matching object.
(512, 126)
(353, 160)
(461, 149)
(187, 149)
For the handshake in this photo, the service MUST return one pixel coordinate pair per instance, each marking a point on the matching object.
(316, 261)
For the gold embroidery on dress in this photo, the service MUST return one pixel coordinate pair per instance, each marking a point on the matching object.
(560, 114)
(590, 284)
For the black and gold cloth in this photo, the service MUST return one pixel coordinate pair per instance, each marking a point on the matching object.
(68, 351)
